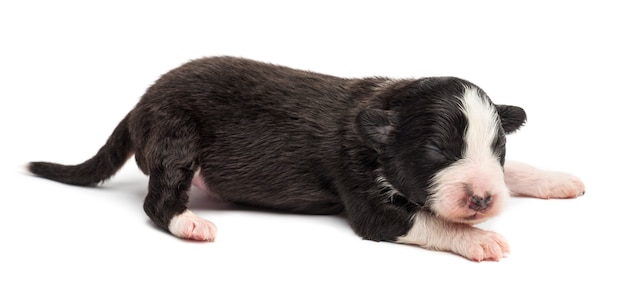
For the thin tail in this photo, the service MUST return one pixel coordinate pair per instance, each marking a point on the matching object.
(109, 159)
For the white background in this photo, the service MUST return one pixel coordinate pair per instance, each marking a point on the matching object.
(70, 71)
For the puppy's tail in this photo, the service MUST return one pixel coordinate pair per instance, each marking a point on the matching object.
(109, 159)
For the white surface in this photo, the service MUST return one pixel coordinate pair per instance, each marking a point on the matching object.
(70, 71)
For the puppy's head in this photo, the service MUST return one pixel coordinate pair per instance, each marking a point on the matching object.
(441, 143)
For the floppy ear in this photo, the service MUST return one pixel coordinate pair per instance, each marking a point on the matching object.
(512, 117)
(375, 126)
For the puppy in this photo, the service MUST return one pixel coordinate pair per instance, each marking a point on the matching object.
(416, 161)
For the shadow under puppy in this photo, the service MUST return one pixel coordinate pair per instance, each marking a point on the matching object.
(415, 161)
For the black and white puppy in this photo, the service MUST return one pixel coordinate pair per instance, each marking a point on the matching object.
(415, 161)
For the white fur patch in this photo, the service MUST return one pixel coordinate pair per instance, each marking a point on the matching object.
(478, 172)
(482, 127)
(431, 232)
(187, 225)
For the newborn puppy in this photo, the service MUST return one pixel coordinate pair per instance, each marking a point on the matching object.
(415, 161)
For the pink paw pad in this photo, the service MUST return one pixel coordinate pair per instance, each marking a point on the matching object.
(189, 226)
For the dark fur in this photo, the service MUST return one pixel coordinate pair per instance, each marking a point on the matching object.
(276, 137)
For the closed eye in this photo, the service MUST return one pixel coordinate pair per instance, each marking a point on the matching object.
(433, 147)
(435, 152)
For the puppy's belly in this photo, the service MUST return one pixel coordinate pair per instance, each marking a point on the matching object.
(306, 200)
(199, 183)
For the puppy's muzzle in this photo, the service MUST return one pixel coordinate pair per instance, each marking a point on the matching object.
(479, 203)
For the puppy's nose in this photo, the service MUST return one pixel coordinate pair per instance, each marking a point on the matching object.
(479, 203)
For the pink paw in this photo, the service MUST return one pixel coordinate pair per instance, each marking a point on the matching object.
(525, 180)
(560, 185)
(190, 226)
(479, 245)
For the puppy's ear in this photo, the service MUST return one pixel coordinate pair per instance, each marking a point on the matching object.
(512, 117)
(375, 126)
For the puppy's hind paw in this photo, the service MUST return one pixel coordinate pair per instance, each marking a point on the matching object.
(525, 180)
(190, 226)
(560, 185)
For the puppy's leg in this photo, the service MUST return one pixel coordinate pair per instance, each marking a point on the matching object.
(525, 180)
(387, 222)
(171, 174)
(431, 232)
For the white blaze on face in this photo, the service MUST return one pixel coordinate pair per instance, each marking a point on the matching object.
(482, 127)
(478, 172)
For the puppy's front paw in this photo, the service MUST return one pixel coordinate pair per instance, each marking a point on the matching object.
(478, 245)
(190, 226)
